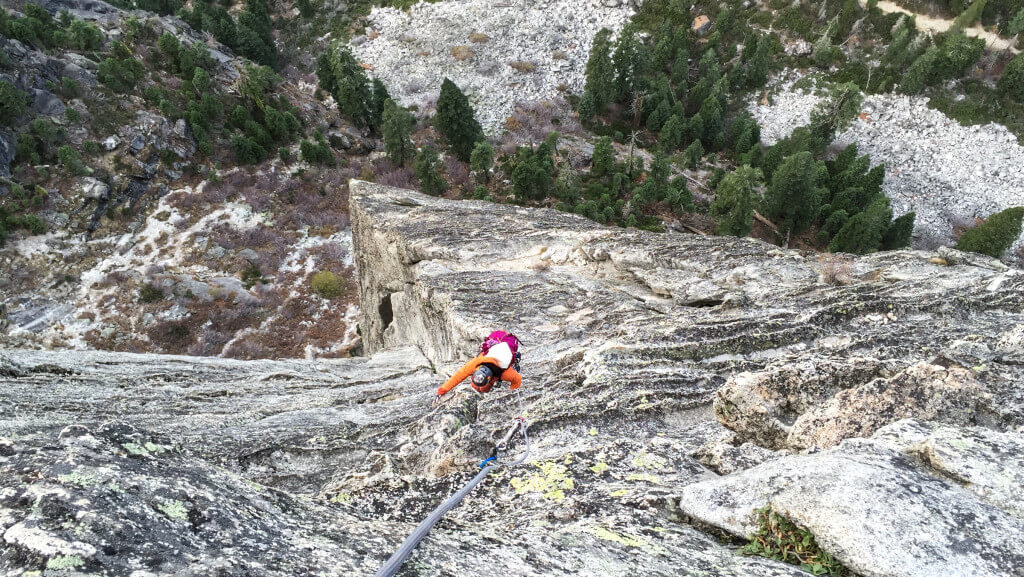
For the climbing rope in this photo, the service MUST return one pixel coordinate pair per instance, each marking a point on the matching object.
(394, 563)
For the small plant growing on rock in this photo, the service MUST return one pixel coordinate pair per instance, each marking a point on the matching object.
(780, 539)
(150, 294)
(328, 285)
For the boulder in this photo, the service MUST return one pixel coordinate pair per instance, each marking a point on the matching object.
(877, 510)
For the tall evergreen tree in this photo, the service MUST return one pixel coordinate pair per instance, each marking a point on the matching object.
(656, 187)
(1011, 83)
(629, 62)
(396, 128)
(604, 157)
(456, 122)
(380, 96)
(794, 194)
(599, 74)
(734, 201)
(671, 134)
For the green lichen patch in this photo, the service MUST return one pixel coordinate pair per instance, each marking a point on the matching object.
(599, 467)
(551, 480)
(173, 509)
(623, 539)
(645, 460)
(342, 498)
(61, 562)
(76, 478)
(135, 449)
(779, 538)
(646, 477)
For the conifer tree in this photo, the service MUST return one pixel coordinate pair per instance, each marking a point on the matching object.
(1011, 83)
(671, 134)
(481, 160)
(427, 172)
(380, 96)
(456, 122)
(734, 201)
(995, 235)
(397, 128)
(794, 195)
(711, 123)
(899, 232)
(863, 232)
(599, 74)
(604, 157)
(656, 187)
(629, 63)
(587, 108)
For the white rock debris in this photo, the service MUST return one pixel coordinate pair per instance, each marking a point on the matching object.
(411, 51)
(947, 173)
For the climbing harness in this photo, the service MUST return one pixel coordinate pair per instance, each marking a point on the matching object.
(394, 563)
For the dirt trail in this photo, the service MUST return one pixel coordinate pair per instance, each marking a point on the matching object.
(933, 24)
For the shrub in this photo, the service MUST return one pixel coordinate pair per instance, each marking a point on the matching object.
(328, 285)
(120, 72)
(13, 103)
(316, 153)
(150, 293)
(71, 161)
(995, 235)
(84, 36)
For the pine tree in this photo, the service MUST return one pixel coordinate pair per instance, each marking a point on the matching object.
(397, 128)
(671, 134)
(306, 9)
(847, 16)
(427, 172)
(380, 96)
(794, 195)
(693, 154)
(659, 116)
(863, 232)
(481, 160)
(600, 75)
(349, 85)
(456, 122)
(734, 201)
(1011, 83)
(711, 123)
(899, 233)
(656, 187)
(604, 157)
(587, 108)
(760, 63)
(995, 235)
(629, 64)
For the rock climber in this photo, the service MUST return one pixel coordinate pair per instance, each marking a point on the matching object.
(498, 360)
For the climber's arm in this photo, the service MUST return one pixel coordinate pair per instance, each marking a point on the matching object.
(459, 376)
(513, 377)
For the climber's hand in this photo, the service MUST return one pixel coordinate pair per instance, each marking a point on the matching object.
(437, 401)
(514, 386)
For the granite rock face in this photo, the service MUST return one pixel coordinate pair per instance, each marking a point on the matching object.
(115, 464)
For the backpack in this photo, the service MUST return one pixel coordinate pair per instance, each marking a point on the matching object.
(502, 337)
